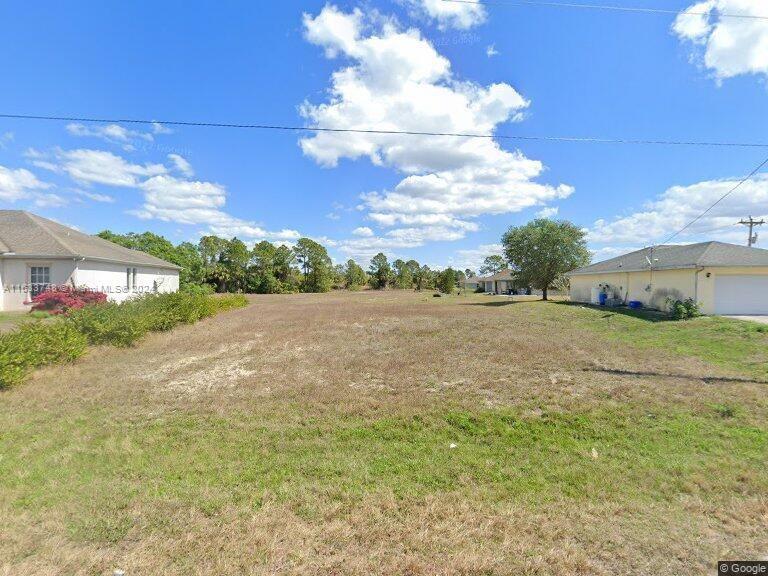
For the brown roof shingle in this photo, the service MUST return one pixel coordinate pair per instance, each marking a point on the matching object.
(25, 234)
(503, 275)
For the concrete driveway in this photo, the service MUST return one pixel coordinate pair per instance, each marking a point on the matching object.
(761, 319)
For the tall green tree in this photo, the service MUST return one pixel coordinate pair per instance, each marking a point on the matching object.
(354, 277)
(493, 265)
(542, 251)
(285, 259)
(261, 277)
(380, 271)
(413, 268)
(403, 274)
(235, 258)
(315, 264)
(184, 255)
(446, 281)
(422, 278)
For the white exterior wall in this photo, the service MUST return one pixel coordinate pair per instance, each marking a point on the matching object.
(112, 279)
(100, 276)
(15, 279)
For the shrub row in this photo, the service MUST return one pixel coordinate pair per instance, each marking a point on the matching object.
(123, 324)
(38, 344)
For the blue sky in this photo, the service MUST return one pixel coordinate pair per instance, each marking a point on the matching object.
(424, 65)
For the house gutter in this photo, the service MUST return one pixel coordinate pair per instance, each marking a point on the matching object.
(621, 270)
(78, 258)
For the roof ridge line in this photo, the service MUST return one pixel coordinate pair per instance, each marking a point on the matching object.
(36, 219)
(703, 254)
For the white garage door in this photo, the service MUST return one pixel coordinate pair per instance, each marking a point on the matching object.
(741, 295)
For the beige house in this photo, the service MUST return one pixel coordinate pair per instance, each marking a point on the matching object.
(37, 254)
(722, 278)
(499, 283)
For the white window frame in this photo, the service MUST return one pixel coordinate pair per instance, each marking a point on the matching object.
(34, 278)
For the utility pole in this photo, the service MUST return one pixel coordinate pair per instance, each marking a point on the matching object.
(752, 223)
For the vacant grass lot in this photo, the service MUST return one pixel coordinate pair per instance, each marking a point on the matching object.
(394, 433)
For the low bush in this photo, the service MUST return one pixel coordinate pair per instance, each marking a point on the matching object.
(37, 344)
(111, 323)
(683, 309)
(205, 289)
(229, 302)
(65, 298)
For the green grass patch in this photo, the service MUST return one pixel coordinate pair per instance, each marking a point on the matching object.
(735, 344)
(95, 467)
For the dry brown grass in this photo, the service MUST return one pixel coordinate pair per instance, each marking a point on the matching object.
(323, 361)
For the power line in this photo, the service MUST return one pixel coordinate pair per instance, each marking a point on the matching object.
(716, 228)
(723, 197)
(286, 128)
(630, 9)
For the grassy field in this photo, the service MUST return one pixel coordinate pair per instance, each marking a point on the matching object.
(394, 433)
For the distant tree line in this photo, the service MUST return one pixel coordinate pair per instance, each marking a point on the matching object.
(225, 265)
(538, 254)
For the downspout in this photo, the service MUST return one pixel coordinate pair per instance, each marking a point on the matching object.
(696, 284)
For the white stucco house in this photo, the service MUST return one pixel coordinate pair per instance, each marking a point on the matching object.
(37, 254)
(723, 278)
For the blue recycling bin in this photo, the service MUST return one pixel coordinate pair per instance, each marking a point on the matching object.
(603, 298)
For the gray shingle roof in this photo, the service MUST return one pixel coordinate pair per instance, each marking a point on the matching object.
(670, 257)
(25, 234)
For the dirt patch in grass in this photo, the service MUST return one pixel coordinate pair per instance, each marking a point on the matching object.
(387, 433)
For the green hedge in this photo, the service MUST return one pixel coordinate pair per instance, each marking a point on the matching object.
(42, 343)
(124, 324)
(38, 344)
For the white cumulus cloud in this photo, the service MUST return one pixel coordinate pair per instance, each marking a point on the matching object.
(679, 205)
(725, 45)
(460, 15)
(100, 167)
(548, 212)
(19, 184)
(182, 165)
(363, 231)
(395, 80)
(108, 132)
(473, 258)
(191, 202)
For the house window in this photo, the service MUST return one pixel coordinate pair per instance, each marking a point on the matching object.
(131, 278)
(39, 279)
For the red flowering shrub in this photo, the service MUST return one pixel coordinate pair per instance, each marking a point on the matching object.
(63, 299)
